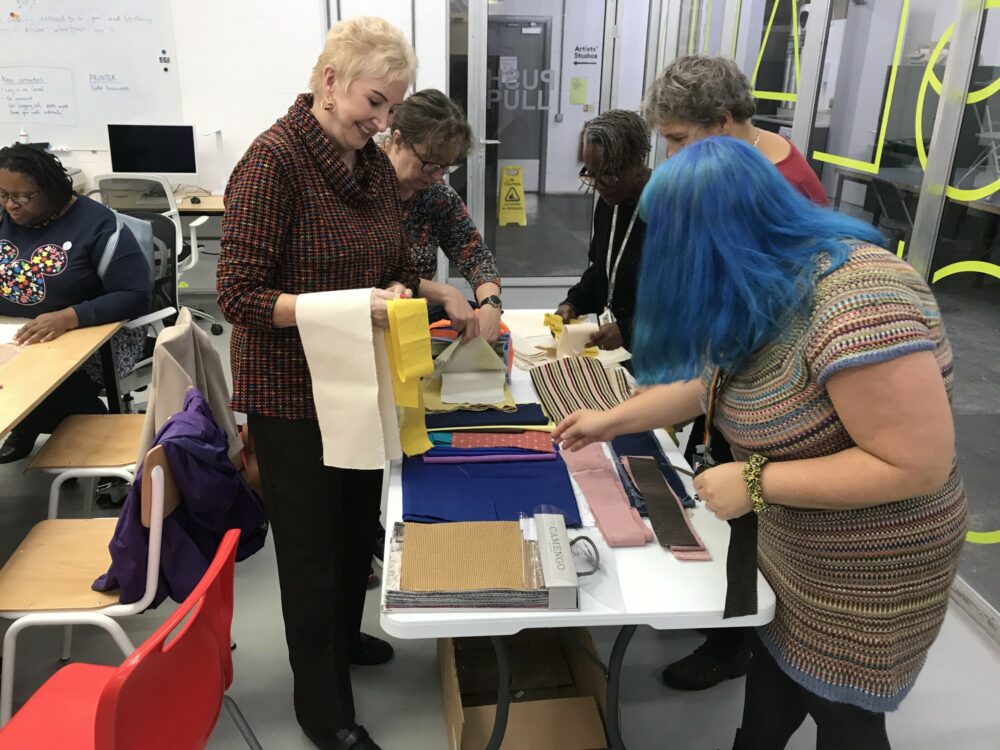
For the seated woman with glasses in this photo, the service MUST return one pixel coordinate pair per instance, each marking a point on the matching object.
(429, 135)
(615, 146)
(52, 243)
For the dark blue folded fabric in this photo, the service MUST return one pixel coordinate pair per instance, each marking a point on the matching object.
(526, 414)
(631, 491)
(434, 493)
(645, 444)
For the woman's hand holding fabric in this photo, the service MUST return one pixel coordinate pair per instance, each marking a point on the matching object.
(582, 428)
(463, 318)
(723, 490)
(489, 323)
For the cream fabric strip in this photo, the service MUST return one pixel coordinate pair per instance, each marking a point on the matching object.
(351, 379)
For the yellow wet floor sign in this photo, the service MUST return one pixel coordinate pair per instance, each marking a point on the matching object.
(512, 197)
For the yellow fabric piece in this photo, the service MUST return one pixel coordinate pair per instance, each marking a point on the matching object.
(434, 404)
(408, 341)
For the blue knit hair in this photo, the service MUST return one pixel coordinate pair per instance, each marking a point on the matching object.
(729, 253)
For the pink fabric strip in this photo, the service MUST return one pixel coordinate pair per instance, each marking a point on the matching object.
(620, 523)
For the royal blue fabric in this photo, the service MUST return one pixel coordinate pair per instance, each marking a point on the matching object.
(645, 444)
(435, 493)
(526, 414)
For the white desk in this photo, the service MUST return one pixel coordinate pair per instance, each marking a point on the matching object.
(638, 586)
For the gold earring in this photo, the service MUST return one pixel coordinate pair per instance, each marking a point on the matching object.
(327, 104)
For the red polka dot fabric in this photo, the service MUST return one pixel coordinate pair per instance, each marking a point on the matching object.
(535, 440)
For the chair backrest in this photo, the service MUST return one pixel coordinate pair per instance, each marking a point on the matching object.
(156, 456)
(891, 200)
(136, 192)
(166, 249)
(167, 695)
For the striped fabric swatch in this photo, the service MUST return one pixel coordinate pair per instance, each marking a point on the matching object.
(574, 383)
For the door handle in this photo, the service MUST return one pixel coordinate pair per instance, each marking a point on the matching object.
(490, 143)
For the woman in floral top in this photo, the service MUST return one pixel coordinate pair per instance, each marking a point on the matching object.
(429, 135)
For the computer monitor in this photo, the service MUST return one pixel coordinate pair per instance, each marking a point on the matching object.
(156, 149)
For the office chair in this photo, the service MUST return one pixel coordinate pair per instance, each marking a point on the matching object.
(894, 219)
(146, 194)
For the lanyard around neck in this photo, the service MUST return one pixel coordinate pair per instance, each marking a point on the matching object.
(612, 273)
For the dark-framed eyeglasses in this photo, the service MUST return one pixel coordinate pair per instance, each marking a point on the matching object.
(591, 180)
(432, 167)
(18, 199)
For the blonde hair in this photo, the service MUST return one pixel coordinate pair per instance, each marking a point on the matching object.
(365, 47)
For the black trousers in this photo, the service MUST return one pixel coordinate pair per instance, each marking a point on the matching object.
(323, 521)
(78, 394)
(774, 706)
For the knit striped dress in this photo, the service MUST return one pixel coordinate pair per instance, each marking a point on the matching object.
(861, 593)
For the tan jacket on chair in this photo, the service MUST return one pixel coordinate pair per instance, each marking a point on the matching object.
(184, 357)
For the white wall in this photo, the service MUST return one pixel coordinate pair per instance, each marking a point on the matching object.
(632, 58)
(242, 62)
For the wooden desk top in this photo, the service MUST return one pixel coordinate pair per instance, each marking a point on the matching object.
(211, 205)
(35, 371)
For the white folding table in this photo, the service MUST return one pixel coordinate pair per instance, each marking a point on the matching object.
(635, 586)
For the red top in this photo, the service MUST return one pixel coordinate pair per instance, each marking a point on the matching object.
(797, 171)
(298, 220)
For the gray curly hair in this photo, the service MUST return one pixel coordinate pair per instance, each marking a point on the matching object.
(699, 89)
(622, 135)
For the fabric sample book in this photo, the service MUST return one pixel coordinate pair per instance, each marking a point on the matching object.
(474, 565)
(574, 383)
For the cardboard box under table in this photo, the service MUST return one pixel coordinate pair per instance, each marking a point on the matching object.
(557, 695)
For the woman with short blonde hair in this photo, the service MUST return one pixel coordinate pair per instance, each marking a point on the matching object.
(313, 206)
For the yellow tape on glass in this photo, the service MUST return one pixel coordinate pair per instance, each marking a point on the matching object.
(930, 79)
(782, 96)
(872, 167)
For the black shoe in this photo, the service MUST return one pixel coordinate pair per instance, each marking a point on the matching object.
(379, 543)
(705, 668)
(354, 737)
(16, 447)
(369, 650)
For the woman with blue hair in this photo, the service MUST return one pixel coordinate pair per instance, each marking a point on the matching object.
(823, 360)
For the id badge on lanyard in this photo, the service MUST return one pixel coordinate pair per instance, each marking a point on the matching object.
(607, 316)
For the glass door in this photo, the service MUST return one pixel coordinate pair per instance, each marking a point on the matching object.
(530, 73)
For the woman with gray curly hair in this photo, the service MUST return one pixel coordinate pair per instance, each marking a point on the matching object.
(698, 96)
(615, 146)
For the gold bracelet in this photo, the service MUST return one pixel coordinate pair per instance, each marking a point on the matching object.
(751, 477)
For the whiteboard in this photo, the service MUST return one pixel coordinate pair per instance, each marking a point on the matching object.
(69, 67)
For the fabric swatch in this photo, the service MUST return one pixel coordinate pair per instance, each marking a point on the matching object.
(646, 444)
(533, 440)
(619, 522)
(435, 493)
(524, 416)
(434, 404)
(670, 522)
(351, 381)
(574, 383)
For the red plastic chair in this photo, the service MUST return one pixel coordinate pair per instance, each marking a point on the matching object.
(166, 695)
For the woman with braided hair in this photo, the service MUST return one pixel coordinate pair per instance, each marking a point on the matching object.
(615, 146)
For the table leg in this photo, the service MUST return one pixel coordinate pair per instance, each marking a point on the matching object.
(503, 693)
(110, 378)
(615, 741)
